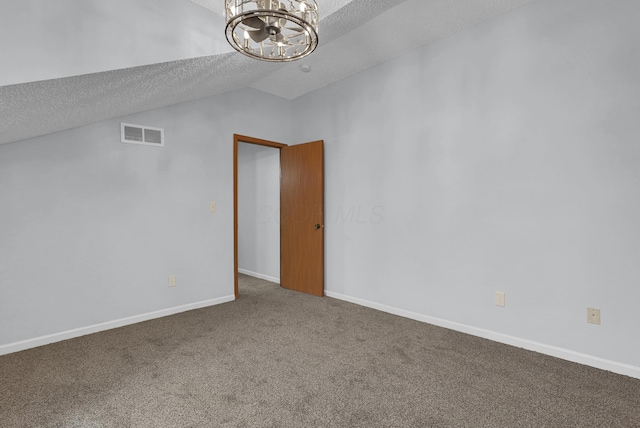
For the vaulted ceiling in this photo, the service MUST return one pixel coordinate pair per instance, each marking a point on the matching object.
(69, 63)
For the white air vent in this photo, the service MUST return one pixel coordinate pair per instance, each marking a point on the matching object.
(137, 134)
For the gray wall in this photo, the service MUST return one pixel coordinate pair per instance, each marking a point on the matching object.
(504, 158)
(153, 32)
(259, 211)
(92, 228)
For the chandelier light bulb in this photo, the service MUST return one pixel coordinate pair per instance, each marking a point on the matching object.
(272, 30)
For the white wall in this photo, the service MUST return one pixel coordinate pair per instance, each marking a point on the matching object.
(503, 158)
(259, 211)
(90, 229)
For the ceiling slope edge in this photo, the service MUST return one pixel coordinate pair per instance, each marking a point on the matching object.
(38, 108)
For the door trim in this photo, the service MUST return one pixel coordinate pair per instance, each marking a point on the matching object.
(250, 140)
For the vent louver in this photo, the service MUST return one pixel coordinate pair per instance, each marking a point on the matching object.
(138, 134)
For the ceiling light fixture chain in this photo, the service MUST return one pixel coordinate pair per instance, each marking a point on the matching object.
(272, 30)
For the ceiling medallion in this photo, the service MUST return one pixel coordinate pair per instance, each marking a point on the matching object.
(271, 30)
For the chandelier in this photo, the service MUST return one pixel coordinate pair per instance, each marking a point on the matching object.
(272, 30)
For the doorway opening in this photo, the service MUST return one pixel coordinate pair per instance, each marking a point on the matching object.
(256, 207)
(301, 214)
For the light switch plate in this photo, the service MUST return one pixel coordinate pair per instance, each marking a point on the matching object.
(500, 298)
(172, 281)
(212, 207)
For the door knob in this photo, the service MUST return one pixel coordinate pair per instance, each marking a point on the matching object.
(317, 226)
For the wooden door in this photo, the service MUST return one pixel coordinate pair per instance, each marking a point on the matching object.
(302, 218)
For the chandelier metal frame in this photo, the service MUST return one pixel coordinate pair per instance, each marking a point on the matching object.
(272, 30)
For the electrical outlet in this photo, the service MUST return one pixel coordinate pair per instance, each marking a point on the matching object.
(172, 281)
(593, 316)
(500, 296)
(212, 207)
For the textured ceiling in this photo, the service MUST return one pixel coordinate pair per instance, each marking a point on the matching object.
(357, 35)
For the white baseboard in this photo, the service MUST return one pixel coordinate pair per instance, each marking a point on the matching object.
(70, 334)
(565, 354)
(259, 275)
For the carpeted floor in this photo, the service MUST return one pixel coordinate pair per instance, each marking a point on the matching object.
(276, 358)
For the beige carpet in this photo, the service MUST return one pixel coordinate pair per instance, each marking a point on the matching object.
(276, 358)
